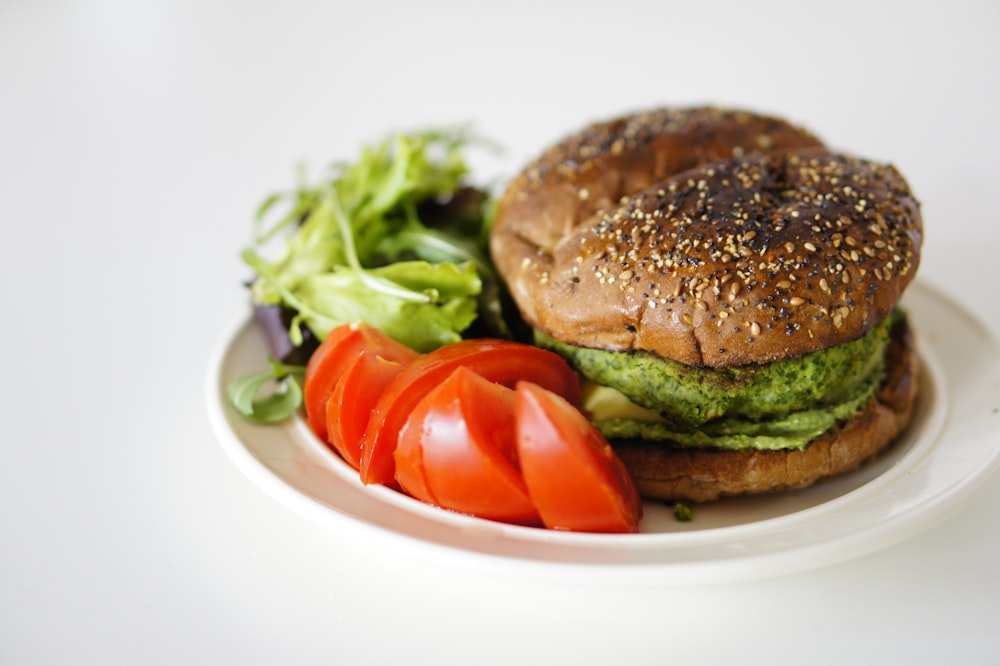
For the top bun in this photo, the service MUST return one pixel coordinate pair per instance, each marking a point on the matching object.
(709, 237)
(594, 168)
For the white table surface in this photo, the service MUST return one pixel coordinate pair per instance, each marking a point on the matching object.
(137, 138)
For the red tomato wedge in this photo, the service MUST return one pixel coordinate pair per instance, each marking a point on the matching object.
(457, 451)
(574, 477)
(500, 361)
(350, 405)
(409, 459)
(332, 359)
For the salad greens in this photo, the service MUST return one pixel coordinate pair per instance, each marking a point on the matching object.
(395, 238)
(274, 407)
(357, 247)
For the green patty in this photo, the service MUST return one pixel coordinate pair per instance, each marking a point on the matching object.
(790, 431)
(780, 405)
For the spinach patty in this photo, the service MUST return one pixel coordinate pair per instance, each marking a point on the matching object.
(780, 405)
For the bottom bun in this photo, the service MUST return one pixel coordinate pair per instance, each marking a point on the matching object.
(700, 475)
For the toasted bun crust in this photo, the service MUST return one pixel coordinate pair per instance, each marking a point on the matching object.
(751, 258)
(699, 475)
(593, 169)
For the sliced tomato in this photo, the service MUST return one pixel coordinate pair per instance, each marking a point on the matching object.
(333, 357)
(574, 477)
(500, 361)
(349, 407)
(409, 458)
(326, 365)
(464, 430)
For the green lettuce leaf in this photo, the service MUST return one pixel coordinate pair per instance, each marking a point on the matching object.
(356, 248)
(341, 296)
(273, 406)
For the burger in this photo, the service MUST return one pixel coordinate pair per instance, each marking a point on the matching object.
(727, 287)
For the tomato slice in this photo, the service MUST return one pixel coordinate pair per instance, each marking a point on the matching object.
(464, 430)
(327, 363)
(574, 477)
(409, 458)
(500, 361)
(350, 405)
(331, 360)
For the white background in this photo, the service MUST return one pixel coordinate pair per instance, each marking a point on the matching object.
(136, 140)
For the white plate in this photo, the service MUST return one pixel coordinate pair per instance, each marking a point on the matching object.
(952, 447)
